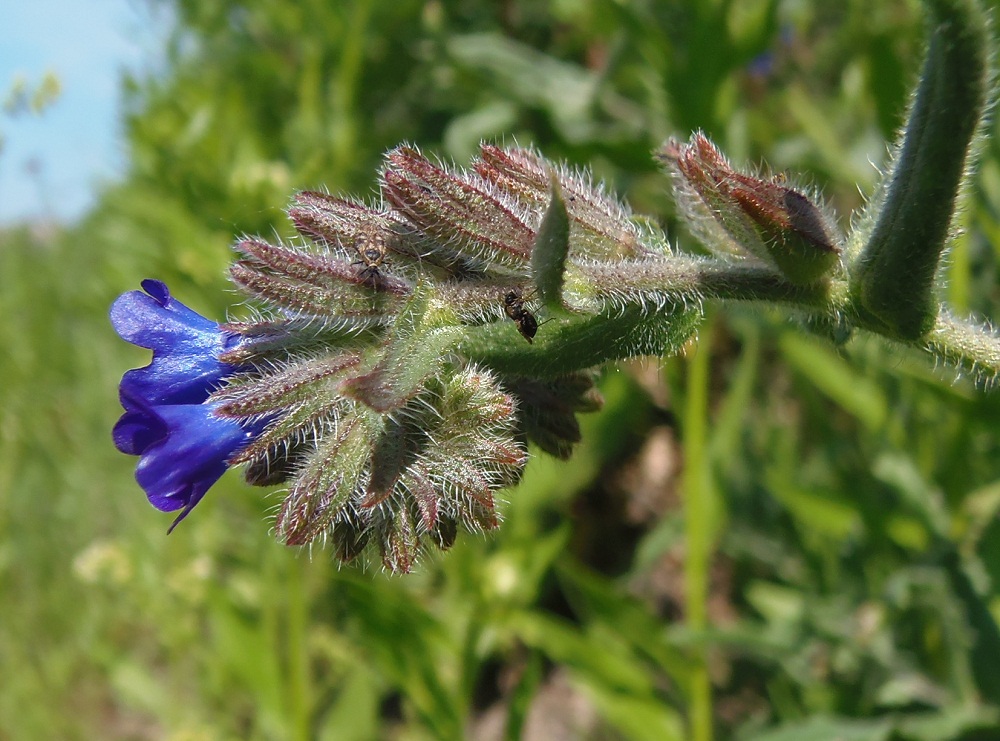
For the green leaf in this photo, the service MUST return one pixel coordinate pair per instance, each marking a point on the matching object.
(564, 90)
(353, 716)
(600, 601)
(637, 717)
(951, 723)
(522, 696)
(818, 511)
(406, 642)
(599, 658)
(985, 651)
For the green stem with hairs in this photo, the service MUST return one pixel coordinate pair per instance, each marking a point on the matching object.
(894, 278)
(655, 313)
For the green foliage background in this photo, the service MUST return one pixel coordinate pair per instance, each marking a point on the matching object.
(824, 565)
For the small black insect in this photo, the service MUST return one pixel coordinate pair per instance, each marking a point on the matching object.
(371, 249)
(513, 306)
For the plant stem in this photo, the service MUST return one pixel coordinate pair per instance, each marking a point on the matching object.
(970, 347)
(298, 651)
(894, 278)
(967, 345)
(689, 278)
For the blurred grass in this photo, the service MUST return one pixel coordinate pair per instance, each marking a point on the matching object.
(828, 571)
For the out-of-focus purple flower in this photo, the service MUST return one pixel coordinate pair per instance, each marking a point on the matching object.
(169, 422)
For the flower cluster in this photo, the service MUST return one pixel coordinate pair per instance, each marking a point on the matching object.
(401, 355)
(404, 354)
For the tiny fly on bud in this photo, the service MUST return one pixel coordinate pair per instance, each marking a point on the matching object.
(371, 249)
(513, 306)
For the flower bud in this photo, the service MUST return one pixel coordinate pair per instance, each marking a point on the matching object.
(313, 284)
(459, 209)
(342, 224)
(601, 227)
(744, 213)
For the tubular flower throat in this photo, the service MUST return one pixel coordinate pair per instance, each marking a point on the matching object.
(383, 381)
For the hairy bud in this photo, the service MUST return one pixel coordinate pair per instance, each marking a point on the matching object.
(744, 213)
(601, 227)
(459, 209)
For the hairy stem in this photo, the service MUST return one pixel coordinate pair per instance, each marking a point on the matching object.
(969, 346)
(895, 274)
(686, 278)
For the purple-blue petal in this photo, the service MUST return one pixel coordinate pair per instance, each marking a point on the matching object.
(186, 347)
(138, 430)
(171, 379)
(183, 446)
(156, 320)
(178, 469)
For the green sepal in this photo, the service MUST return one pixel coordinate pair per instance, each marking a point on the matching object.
(415, 349)
(548, 256)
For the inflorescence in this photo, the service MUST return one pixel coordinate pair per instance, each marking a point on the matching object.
(394, 370)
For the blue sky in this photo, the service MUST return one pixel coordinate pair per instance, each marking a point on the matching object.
(49, 165)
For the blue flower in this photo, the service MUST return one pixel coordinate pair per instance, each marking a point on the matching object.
(169, 422)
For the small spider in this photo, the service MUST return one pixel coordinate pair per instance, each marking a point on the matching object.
(513, 306)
